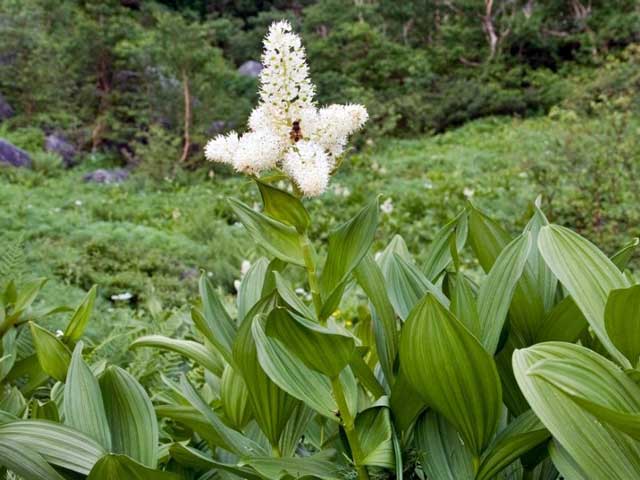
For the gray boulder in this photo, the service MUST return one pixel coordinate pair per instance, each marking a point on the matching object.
(250, 68)
(55, 143)
(107, 176)
(5, 109)
(14, 156)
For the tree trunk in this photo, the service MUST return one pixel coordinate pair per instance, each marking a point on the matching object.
(187, 117)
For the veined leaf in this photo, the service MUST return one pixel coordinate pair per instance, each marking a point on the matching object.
(315, 466)
(622, 321)
(197, 460)
(53, 355)
(283, 206)
(599, 449)
(250, 291)
(439, 253)
(587, 274)
(214, 322)
(192, 350)
(374, 430)
(132, 419)
(112, 467)
(446, 365)
(291, 298)
(75, 327)
(546, 281)
(25, 462)
(277, 238)
(83, 403)
(623, 256)
(566, 465)
(565, 322)
(464, 305)
(234, 397)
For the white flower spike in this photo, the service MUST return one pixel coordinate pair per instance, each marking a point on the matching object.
(287, 130)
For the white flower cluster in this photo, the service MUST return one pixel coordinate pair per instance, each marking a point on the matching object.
(287, 130)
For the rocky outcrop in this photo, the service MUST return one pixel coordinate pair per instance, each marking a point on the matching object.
(250, 68)
(5, 109)
(107, 176)
(56, 143)
(13, 156)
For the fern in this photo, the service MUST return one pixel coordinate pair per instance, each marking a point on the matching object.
(12, 261)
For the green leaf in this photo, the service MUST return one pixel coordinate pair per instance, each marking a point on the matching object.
(295, 429)
(283, 206)
(53, 355)
(385, 327)
(280, 240)
(442, 452)
(446, 365)
(623, 256)
(291, 298)
(116, 467)
(83, 403)
(214, 322)
(322, 348)
(75, 327)
(192, 419)
(315, 466)
(521, 435)
(250, 291)
(23, 461)
(503, 278)
(193, 350)
(599, 449)
(200, 462)
(374, 430)
(545, 281)
(622, 321)
(565, 322)
(9, 353)
(58, 444)
(566, 465)
(587, 274)
(44, 410)
(132, 419)
(406, 404)
(439, 253)
(234, 397)
(464, 305)
(348, 244)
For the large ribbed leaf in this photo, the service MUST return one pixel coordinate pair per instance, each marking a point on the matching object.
(198, 461)
(587, 274)
(234, 397)
(441, 450)
(25, 462)
(566, 465)
(385, 328)
(322, 348)
(277, 238)
(622, 321)
(464, 305)
(546, 282)
(348, 244)
(439, 252)
(284, 207)
(192, 419)
(446, 365)
(83, 403)
(193, 350)
(317, 466)
(494, 296)
(53, 355)
(622, 257)
(75, 327)
(112, 467)
(290, 297)
(295, 429)
(9, 352)
(520, 436)
(565, 322)
(250, 291)
(214, 322)
(406, 404)
(374, 430)
(599, 449)
(58, 444)
(272, 406)
(132, 419)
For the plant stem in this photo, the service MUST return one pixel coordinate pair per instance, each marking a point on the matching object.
(311, 273)
(349, 428)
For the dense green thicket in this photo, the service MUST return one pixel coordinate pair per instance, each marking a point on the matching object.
(114, 75)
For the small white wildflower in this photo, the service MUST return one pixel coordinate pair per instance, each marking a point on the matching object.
(387, 206)
(236, 285)
(78, 203)
(244, 267)
(209, 274)
(468, 192)
(257, 151)
(301, 291)
(122, 297)
(59, 333)
(222, 148)
(308, 165)
(428, 185)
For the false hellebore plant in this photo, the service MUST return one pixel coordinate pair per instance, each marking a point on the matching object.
(526, 371)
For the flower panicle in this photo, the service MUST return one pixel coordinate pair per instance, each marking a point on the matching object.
(287, 130)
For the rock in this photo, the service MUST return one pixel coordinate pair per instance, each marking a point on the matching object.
(14, 156)
(55, 143)
(5, 109)
(216, 127)
(250, 68)
(107, 176)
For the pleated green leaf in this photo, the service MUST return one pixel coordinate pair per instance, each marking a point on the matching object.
(385, 327)
(566, 465)
(439, 253)
(234, 397)
(214, 322)
(25, 462)
(250, 291)
(447, 366)
(283, 206)
(192, 350)
(290, 297)
(322, 348)
(132, 419)
(83, 403)
(565, 322)
(587, 274)
(9, 352)
(599, 449)
(191, 418)
(374, 430)
(294, 429)
(546, 281)
(198, 461)
(442, 453)
(117, 467)
(348, 244)
(405, 403)
(75, 327)
(316, 466)
(495, 294)
(464, 305)
(277, 238)
(521, 435)
(44, 410)
(58, 444)
(623, 256)
(622, 321)
(53, 355)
